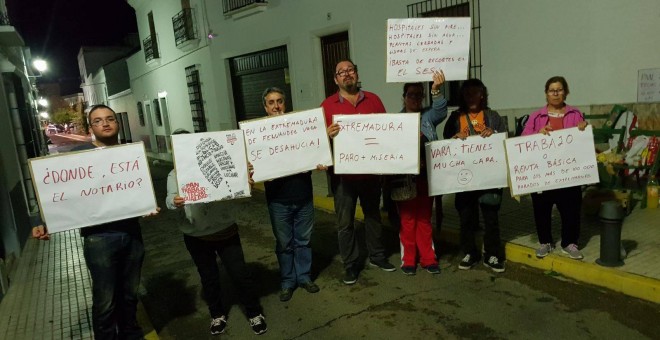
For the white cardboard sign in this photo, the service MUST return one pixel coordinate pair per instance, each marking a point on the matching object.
(385, 143)
(287, 144)
(211, 166)
(417, 47)
(563, 159)
(91, 187)
(456, 165)
(648, 85)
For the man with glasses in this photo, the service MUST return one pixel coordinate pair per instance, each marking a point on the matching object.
(113, 252)
(350, 99)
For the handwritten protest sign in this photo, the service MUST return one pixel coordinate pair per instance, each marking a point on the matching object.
(80, 189)
(648, 85)
(377, 144)
(417, 47)
(564, 159)
(475, 163)
(287, 144)
(211, 166)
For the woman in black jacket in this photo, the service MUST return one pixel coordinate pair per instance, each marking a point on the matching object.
(474, 117)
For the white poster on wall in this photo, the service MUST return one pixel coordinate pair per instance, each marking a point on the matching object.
(563, 159)
(86, 188)
(211, 166)
(456, 165)
(648, 85)
(287, 144)
(417, 47)
(385, 143)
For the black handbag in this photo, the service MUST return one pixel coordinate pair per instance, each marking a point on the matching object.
(403, 187)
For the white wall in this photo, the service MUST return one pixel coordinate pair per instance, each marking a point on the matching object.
(598, 45)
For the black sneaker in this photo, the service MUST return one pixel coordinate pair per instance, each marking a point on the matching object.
(218, 325)
(286, 294)
(409, 270)
(494, 263)
(383, 264)
(258, 324)
(310, 287)
(433, 269)
(468, 261)
(350, 277)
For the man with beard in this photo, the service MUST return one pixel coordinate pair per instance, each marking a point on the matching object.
(348, 188)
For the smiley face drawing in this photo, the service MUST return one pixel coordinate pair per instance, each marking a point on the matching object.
(464, 176)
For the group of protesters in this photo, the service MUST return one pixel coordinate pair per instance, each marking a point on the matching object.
(114, 251)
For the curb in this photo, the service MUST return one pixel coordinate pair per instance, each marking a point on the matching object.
(634, 285)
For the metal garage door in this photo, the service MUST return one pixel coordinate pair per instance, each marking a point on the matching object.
(252, 74)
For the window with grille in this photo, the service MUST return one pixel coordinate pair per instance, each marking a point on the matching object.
(195, 97)
(140, 111)
(159, 118)
(455, 8)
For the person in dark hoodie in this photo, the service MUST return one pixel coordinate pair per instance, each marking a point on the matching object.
(474, 117)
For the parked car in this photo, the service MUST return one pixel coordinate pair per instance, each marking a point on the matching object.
(51, 129)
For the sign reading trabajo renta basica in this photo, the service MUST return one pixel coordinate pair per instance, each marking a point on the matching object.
(456, 165)
(211, 166)
(91, 187)
(540, 162)
(385, 143)
(287, 144)
(418, 47)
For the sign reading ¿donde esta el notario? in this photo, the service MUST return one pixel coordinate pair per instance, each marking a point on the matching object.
(85, 188)
(540, 162)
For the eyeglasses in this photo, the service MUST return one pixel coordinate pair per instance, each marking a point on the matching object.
(100, 121)
(344, 73)
(556, 91)
(415, 95)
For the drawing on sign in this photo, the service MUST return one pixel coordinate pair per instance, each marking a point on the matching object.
(464, 177)
(208, 150)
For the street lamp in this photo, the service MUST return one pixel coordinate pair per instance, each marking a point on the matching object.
(40, 65)
(43, 102)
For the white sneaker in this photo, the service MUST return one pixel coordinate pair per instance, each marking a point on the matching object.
(572, 251)
(544, 250)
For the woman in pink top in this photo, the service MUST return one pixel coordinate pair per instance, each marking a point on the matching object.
(557, 115)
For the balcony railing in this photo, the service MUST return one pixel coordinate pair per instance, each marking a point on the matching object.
(184, 26)
(150, 45)
(229, 6)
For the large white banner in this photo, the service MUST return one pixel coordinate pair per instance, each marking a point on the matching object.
(417, 47)
(456, 165)
(563, 159)
(211, 166)
(287, 144)
(377, 143)
(86, 188)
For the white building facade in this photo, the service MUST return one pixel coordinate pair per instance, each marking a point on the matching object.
(236, 52)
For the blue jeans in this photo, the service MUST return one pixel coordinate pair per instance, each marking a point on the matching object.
(114, 260)
(292, 226)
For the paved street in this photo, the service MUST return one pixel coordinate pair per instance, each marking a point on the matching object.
(522, 303)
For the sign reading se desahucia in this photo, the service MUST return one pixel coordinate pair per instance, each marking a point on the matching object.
(211, 166)
(91, 187)
(287, 144)
(386, 143)
(538, 162)
(456, 165)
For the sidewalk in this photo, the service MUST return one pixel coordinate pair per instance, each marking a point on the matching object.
(638, 277)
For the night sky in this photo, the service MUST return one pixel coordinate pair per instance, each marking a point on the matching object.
(56, 29)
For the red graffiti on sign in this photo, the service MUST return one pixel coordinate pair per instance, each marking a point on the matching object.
(194, 192)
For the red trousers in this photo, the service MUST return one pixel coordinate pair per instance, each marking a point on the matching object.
(416, 233)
